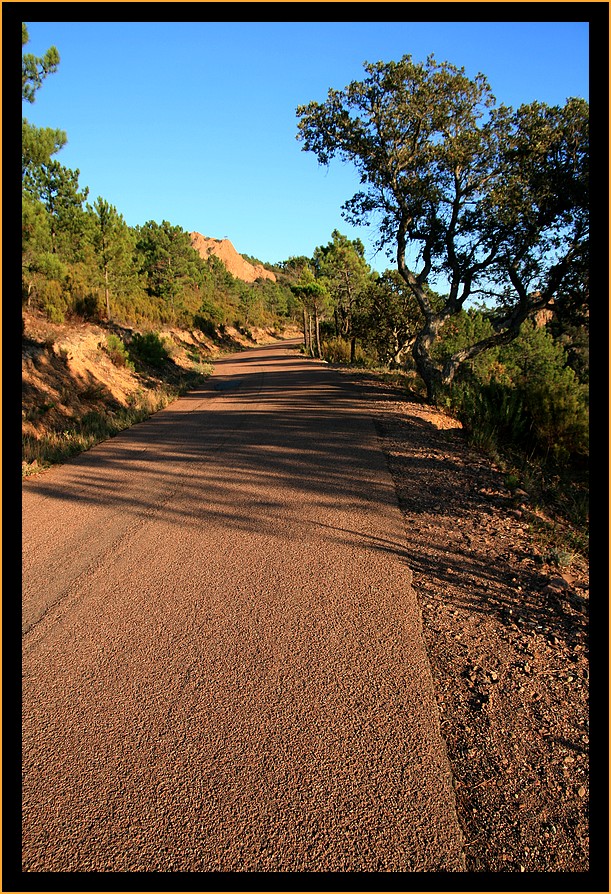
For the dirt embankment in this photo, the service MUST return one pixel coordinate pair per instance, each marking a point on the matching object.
(67, 371)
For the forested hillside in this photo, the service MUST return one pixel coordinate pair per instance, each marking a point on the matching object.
(499, 205)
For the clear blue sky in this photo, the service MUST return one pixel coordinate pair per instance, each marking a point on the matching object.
(194, 122)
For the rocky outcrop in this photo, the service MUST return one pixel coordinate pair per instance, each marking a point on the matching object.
(234, 262)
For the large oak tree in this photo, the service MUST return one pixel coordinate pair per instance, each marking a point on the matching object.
(490, 201)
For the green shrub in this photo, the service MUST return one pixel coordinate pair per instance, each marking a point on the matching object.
(204, 325)
(49, 266)
(336, 350)
(527, 397)
(117, 351)
(148, 348)
(87, 306)
(50, 297)
(555, 401)
(54, 313)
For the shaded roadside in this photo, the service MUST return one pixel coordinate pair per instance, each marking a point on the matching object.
(508, 637)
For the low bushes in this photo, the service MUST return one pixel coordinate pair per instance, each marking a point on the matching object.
(524, 395)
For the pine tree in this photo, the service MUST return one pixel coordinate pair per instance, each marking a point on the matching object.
(113, 246)
(38, 144)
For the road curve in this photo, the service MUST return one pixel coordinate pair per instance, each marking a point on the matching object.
(223, 664)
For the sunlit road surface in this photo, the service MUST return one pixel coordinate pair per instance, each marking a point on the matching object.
(223, 664)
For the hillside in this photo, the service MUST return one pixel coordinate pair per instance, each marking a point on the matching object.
(234, 262)
(68, 373)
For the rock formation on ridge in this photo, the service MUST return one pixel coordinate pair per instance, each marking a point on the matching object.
(234, 262)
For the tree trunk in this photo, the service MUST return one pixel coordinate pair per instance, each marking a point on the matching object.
(317, 332)
(106, 292)
(427, 369)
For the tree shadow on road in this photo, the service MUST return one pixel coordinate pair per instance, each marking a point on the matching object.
(273, 439)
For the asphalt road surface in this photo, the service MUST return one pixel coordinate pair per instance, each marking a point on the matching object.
(223, 664)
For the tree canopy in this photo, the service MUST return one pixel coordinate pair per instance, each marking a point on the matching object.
(34, 69)
(491, 201)
(342, 267)
(38, 144)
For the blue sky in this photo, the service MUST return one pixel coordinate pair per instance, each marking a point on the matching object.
(195, 123)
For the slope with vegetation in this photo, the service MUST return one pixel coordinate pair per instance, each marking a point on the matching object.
(83, 382)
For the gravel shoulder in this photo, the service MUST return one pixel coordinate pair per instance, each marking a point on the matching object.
(507, 637)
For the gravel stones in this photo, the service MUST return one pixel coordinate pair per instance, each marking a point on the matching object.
(507, 636)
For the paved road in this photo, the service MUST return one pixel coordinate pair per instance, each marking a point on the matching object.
(223, 666)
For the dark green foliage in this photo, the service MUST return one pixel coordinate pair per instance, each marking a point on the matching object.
(167, 259)
(204, 324)
(87, 307)
(38, 144)
(315, 302)
(388, 318)
(495, 201)
(148, 348)
(341, 267)
(116, 350)
(113, 246)
(524, 395)
(34, 69)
